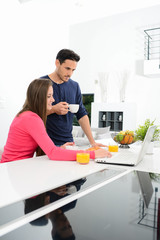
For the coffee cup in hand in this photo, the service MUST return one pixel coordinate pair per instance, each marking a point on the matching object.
(73, 108)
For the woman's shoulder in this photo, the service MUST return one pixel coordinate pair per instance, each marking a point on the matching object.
(29, 115)
(29, 118)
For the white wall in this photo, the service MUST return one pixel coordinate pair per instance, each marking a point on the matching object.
(114, 44)
(31, 35)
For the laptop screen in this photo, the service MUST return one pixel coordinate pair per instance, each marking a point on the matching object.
(146, 186)
(146, 142)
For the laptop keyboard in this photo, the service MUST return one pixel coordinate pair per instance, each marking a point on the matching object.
(125, 157)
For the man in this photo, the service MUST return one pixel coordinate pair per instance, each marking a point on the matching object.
(66, 91)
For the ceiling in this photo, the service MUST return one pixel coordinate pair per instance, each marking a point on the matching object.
(83, 10)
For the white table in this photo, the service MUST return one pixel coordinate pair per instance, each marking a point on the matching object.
(26, 178)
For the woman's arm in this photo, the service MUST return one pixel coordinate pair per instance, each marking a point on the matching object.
(35, 127)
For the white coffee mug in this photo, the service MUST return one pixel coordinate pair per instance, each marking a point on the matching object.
(73, 108)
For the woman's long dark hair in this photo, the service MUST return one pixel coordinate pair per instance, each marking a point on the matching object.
(32, 204)
(36, 101)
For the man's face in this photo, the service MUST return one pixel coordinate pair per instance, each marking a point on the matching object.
(66, 69)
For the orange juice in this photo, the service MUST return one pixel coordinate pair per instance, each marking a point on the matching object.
(83, 158)
(113, 148)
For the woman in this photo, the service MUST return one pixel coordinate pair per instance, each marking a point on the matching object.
(28, 134)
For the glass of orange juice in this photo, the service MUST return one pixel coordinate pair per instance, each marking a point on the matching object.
(83, 158)
(113, 148)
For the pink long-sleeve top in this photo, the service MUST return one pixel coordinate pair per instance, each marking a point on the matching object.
(26, 133)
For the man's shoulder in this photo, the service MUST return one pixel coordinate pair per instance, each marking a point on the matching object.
(45, 76)
(72, 82)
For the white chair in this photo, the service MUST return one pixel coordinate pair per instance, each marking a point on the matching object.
(98, 133)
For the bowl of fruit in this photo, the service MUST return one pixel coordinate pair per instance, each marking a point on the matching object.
(124, 138)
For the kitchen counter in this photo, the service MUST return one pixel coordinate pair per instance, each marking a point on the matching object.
(39, 174)
(26, 178)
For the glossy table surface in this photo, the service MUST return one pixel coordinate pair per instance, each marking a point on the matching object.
(113, 211)
(24, 179)
(41, 174)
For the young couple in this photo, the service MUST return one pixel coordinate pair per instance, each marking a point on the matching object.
(28, 134)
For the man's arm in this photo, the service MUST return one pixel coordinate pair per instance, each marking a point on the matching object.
(85, 125)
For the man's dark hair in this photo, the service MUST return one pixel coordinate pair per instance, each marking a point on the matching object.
(65, 54)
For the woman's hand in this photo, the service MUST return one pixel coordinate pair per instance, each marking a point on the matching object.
(67, 144)
(100, 153)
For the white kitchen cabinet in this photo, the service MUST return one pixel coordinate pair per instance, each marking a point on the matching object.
(119, 116)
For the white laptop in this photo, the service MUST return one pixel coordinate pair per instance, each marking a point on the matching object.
(130, 157)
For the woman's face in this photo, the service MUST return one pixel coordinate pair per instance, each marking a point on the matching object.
(50, 98)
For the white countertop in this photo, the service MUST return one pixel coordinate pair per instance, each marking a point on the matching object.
(23, 179)
(26, 178)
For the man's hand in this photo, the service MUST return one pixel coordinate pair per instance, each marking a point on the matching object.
(67, 144)
(95, 144)
(61, 191)
(60, 108)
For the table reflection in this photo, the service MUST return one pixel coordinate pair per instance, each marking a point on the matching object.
(147, 198)
(127, 208)
(61, 227)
